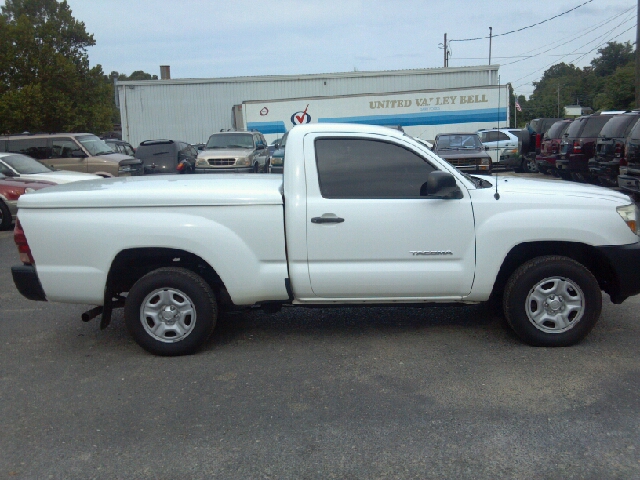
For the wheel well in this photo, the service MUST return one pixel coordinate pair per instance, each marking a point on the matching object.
(132, 264)
(586, 255)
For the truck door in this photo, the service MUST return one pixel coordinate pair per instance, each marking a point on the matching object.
(369, 233)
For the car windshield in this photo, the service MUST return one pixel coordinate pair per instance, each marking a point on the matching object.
(25, 165)
(230, 140)
(94, 145)
(460, 141)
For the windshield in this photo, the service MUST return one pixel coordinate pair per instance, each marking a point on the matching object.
(230, 140)
(460, 141)
(25, 165)
(94, 145)
(617, 126)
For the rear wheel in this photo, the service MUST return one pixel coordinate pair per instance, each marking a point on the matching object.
(5, 217)
(529, 165)
(171, 311)
(552, 301)
(543, 170)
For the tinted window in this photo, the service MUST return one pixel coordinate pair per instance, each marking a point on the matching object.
(557, 129)
(361, 168)
(574, 128)
(33, 147)
(618, 126)
(64, 148)
(635, 132)
(158, 151)
(594, 125)
(502, 136)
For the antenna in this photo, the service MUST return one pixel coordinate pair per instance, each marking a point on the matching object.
(497, 195)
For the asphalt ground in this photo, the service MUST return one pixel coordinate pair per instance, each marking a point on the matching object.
(348, 393)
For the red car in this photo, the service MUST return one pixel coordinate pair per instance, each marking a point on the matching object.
(550, 147)
(10, 191)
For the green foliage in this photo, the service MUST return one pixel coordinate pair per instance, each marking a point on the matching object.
(608, 84)
(46, 83)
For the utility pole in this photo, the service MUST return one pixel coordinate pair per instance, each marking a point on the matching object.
(445, 49)
(491, 35)
(638, 59)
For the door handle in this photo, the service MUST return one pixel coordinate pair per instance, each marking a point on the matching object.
(327, 218)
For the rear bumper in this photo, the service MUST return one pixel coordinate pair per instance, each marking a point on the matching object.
(625, 262)
(629, 183)
(27, 282)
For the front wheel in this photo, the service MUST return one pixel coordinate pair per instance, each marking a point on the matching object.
(552, 301)
(170, 311)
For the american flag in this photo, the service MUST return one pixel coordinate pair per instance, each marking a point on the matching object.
(518, 107)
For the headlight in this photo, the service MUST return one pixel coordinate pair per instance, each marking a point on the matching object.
(630, 214)
(485, 161)
(201, 162)
(277, 160)
(242, 161)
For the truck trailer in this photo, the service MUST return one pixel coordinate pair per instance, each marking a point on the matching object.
(420, 113)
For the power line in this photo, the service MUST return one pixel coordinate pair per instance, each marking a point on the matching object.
(634, 26)
(579, 48)
(523, 28)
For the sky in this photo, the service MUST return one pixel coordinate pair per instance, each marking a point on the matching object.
(213, 38)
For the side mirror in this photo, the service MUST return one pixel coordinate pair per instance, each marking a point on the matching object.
(441, 185)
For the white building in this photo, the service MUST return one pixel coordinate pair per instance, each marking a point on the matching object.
(192, 109)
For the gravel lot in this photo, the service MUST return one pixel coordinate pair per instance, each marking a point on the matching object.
(316, 393)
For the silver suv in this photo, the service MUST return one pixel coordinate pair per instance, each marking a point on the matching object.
(236, 152)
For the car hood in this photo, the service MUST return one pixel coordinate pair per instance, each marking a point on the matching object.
(60, 176)
(461, 153)
(115, 157)
(225, 153)
(162, 191)
(536, 186)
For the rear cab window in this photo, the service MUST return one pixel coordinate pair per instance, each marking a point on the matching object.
(618, 126)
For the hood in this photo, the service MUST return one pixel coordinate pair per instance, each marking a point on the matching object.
(115, 157)
(225, 153)
(60, 176)
(162, 191)
(557, 188)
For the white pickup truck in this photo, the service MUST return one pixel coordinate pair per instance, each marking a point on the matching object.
(361, 215)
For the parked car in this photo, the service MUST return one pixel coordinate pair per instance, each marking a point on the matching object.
(550, 147)
(531, 141)
(10, 191)
(502, 146)
(14, 165)
(579, 146)
(120, 146)
(464, 151)
(166, 156)
(234, 151)
(610, 148)
(629, 178)
(78, 152)
(276, 165)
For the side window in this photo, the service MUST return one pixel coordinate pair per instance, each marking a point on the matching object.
(492, 137)
(128, 150)
(502, 136)
(363, 168)
(5, 170)
(64, 148)
(33, 147)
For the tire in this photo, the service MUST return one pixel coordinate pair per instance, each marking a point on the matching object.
(564, 175)
(5, 217)
(543, 170)
(171, 291)
(552, 301)
(256, 167)
(529, 166)
(578, 177)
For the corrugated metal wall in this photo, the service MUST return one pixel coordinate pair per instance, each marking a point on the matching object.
(192, 109)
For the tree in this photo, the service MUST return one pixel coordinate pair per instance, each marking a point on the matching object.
(46, 83)
(611, 57)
